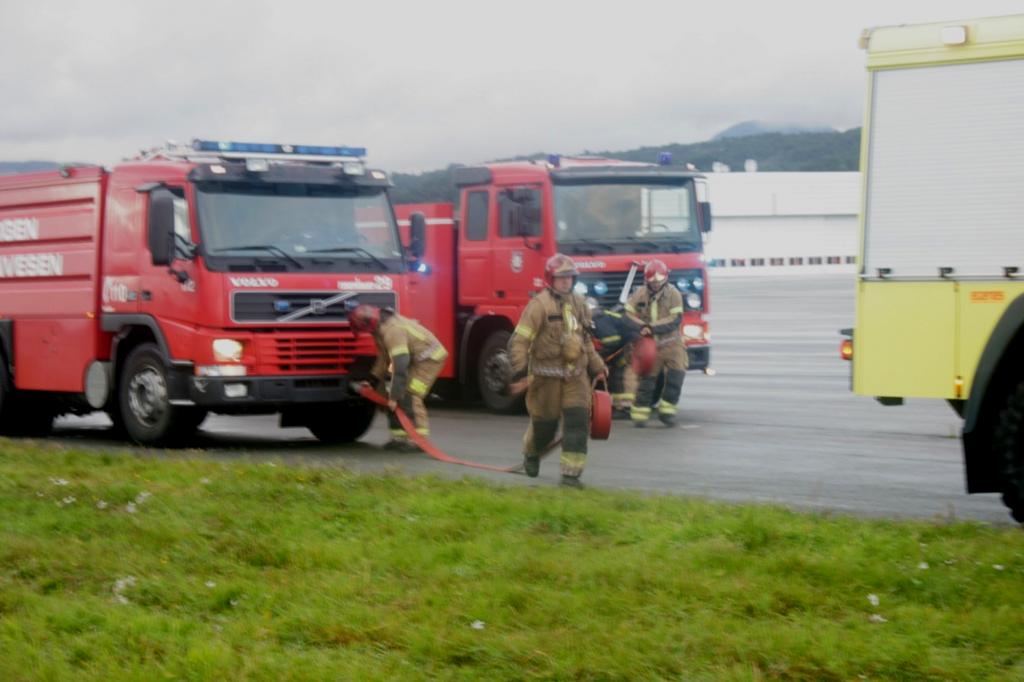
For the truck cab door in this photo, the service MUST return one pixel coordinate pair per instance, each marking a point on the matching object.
(170, 293)
(518, 254)
(475, 257)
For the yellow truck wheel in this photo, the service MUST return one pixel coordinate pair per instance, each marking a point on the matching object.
(1009, 445)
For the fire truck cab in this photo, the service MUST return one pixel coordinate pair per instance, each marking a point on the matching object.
(608, 215)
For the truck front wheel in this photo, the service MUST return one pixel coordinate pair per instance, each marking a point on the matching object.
(343, 422)
(1009, 444)
(144, 401)
(494, 370)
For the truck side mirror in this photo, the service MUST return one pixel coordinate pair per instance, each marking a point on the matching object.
(161, 226)
(705, 216)
(417, 235)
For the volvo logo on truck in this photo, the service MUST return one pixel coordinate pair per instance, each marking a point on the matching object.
(254, 282)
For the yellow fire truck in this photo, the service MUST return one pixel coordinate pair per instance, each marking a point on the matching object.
(940, 291)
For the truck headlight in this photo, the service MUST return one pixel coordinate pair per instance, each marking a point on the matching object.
(693, 331)
(227, 350)
(693, 301)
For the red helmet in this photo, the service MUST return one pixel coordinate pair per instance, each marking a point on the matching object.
(559, 265)
(364, 318)
(655, 274)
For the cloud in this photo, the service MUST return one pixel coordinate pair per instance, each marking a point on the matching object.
(424, 84)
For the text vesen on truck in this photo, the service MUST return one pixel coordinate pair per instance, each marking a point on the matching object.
(208, 277)
(606, 214)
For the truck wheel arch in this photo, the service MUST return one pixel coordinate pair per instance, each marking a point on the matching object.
(996, 373)
(130, 326)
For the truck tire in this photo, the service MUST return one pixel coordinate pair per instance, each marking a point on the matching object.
(145, 406)
(1008, 441)
(34, 420)
(8, 420)
(493, 371)
(5, 394)
(343, 422)
(20, 417)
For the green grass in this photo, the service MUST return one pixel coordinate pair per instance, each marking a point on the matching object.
(254, 571)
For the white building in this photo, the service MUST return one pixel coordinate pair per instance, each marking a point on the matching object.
(783, 223)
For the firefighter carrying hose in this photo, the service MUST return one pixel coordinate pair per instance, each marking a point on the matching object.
(616, 333)
(657, 309)
(554, 360)
(416, 358)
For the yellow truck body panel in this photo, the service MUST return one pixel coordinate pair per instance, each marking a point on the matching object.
(920, 332)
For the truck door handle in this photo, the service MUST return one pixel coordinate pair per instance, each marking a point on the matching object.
(499, 294)
(147, 295)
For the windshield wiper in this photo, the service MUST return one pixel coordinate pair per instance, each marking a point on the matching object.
(645, 242)
(276, 250)
(352, 249)
(588, 241)
(683, 246)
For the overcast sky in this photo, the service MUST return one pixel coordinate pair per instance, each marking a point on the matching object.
(425, 83)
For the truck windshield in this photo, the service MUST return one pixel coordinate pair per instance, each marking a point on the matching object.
(296, 226)
(634, 217)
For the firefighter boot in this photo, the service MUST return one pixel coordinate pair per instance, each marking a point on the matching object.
(401, 445)
(667, 418)
(571, 482)
(639, 415)
(537, 439)
(670, 396)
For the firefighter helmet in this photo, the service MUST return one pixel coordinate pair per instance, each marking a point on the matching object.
(559, 265)
(655, 274)
(364, 318)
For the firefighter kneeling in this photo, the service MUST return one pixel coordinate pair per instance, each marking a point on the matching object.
(554, 360)
(657, 309)
(416, 358)
(616, 334)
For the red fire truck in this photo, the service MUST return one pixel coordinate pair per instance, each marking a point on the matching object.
(207, 277)
(608, 215)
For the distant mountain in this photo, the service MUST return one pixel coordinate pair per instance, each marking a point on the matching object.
(805, 151)
(748, 128)
(9, 167)
(827, 150)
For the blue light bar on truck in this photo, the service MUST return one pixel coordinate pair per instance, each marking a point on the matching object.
(218, 146)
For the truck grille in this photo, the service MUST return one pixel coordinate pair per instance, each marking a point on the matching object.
(614, 282)
(312, 352)
(301, 307)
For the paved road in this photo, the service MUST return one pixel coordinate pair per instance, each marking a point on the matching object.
(777, 423)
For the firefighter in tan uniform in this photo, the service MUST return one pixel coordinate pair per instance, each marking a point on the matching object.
(657, 308)
(554, 360)
(416, 358)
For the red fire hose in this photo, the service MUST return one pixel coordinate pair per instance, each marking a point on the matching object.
(601, 413)
(436, 452)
